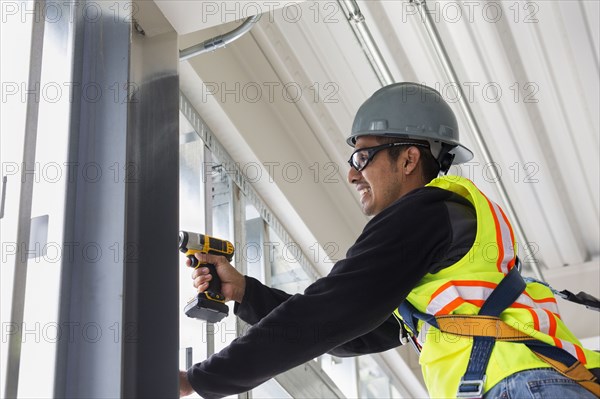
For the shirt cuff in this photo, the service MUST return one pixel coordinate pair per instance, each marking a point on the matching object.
(240, 309)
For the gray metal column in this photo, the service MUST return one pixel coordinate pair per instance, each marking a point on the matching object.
(92, 287)
(129, 209)
(151, 285)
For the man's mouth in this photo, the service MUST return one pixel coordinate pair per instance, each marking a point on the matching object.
(364, 191)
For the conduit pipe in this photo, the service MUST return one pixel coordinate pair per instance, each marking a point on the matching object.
(451, 75)
(363, 34)
(384, 75)
(219, 41)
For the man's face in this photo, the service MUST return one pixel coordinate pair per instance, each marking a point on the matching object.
(380, 182)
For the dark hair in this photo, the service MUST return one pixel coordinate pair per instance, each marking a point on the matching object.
(430, 168)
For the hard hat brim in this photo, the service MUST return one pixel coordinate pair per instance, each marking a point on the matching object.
(461, 154)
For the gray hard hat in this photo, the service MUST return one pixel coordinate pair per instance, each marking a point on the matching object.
(411, 111)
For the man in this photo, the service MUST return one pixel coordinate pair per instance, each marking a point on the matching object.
(428, 247)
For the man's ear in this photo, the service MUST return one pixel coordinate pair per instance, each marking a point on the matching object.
(411, 160)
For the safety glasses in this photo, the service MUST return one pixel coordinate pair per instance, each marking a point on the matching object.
(361, 157)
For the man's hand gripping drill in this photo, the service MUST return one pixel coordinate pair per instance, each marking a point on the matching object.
(214, 277)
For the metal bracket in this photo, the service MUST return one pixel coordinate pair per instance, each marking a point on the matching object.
(188, 357)
(470, 393)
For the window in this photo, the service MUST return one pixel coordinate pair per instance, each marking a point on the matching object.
(254, 246)
(15, 69)
(284, 259)
(222, 227)
(192, 332)
(373, 382)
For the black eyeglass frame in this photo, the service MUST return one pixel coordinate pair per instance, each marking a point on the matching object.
(372, 151)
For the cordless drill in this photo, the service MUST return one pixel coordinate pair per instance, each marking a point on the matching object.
(209, 305)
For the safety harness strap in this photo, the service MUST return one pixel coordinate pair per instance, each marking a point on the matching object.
(508, 290)
(494, 328)
(410, 316)
(487, 327)
(577, 372)
(504, 295)
(482, 326)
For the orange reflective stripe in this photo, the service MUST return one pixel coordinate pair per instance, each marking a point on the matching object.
(527, 300)
(557, 342)
(512, 261)
(441, 289)
(580, 354)
(487, 284)
(536, 320)
(451, 306)
(544, 321)
(467, 290)
(472, 283)
(504, 237)
(544, 300)
(570, 347)
(498, 236)
(508, 251)
(476, 291)
(552, 328)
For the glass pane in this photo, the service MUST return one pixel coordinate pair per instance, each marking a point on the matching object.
(222, 218)
(253, 251)
(192, 332)
(42, 282)
(342, 370)
(395, 394)
(270, 389)
(286, 272)
(14, 64)
(373, 383)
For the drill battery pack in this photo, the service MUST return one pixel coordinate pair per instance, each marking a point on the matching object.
(204, 308)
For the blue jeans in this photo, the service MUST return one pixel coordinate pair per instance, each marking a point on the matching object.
(543, 383)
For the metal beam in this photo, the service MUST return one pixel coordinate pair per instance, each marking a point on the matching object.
(92, 287)
(151, 278)
(130, 134)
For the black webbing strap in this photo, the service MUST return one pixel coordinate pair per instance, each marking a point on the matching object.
(412, 315)
(508, 290)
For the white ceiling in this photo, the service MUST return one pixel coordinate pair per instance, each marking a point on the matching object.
(531, 72)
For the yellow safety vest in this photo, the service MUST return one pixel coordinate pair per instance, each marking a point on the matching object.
(463, 287)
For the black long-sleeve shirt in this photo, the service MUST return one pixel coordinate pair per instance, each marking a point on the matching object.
(348, 312)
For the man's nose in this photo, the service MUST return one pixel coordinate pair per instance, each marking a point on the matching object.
(353, 175)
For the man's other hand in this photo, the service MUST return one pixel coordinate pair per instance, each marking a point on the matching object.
(185, 388)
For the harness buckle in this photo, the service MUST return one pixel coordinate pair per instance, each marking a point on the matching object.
(470, 388)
